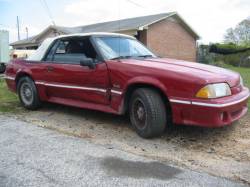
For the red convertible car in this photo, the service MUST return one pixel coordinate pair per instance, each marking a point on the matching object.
(115, 73)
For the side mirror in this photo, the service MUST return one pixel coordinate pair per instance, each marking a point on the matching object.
(88, 62)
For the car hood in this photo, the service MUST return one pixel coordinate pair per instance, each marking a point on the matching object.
(207, 73)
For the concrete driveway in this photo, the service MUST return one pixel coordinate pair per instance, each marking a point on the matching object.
(34, 156)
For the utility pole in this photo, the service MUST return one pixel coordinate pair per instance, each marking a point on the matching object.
(27, 32)
(18, 28)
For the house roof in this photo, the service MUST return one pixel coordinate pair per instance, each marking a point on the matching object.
(124, 24)
(137, 23)
(24, 41)
(33, 39)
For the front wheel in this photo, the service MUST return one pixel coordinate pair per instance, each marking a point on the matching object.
(28, 94)
(147, 113)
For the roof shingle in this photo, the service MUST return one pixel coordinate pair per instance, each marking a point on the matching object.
(109, 26)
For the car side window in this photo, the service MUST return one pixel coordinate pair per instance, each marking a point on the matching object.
(71, 51)
(61, 48)
(50, 54)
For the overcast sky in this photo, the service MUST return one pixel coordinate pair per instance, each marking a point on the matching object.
(209, 18)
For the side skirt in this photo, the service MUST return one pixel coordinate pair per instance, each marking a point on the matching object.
(82, 104)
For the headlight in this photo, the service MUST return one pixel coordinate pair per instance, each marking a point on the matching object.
(214, 91)
(241, 82)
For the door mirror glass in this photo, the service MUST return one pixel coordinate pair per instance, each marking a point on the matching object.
(88, 62)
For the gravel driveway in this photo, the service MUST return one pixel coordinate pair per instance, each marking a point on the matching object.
(223, 152)
(34, 156)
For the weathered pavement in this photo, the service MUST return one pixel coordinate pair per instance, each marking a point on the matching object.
(33, 156)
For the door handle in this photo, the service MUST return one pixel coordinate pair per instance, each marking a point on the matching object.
(49, 68)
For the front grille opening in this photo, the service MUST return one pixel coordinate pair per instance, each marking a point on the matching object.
(236, 113)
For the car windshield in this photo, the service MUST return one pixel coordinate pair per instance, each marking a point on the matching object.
(122, 47)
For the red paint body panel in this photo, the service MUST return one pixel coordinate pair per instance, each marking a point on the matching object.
(76, 76)
(212, 116)
(104, 88)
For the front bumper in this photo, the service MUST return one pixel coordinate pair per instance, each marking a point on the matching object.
(210, 113)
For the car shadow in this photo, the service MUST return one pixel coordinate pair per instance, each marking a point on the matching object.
(87, 114)
(180, 134)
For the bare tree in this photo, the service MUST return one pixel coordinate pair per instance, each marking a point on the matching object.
(240, 35)
(231, 36)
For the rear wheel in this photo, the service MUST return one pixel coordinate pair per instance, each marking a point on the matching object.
(28, 94)
(147, 113)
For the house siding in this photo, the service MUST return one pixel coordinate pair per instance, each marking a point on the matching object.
(168, 38)
(142, 36)
(171, 37)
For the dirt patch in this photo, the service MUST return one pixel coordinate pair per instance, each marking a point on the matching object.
(222, 152)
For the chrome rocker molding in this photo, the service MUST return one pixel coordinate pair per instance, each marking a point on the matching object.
(77, 87)
(9, 78)
(120, 93)
(116, 92)
(208, 104)
(71, 87)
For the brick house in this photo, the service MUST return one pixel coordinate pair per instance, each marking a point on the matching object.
(167, 34)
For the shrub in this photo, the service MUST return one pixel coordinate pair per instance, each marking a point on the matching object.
(232, 54)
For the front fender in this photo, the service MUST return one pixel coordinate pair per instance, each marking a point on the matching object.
(120, 104)
(147, 81)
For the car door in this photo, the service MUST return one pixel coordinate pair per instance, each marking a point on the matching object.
(67, 79)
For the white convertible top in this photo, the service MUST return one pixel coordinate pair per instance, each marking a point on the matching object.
(40, 52)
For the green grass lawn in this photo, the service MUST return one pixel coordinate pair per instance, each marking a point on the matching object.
(245, 74)
(9, 101)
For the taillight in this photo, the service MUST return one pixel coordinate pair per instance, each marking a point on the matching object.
(9, 68)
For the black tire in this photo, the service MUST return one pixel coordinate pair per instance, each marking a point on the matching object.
(28, 94)
(147, 113)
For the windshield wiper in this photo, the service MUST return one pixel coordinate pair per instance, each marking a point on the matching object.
(129, 56)
(121, 57)
(145, 56)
